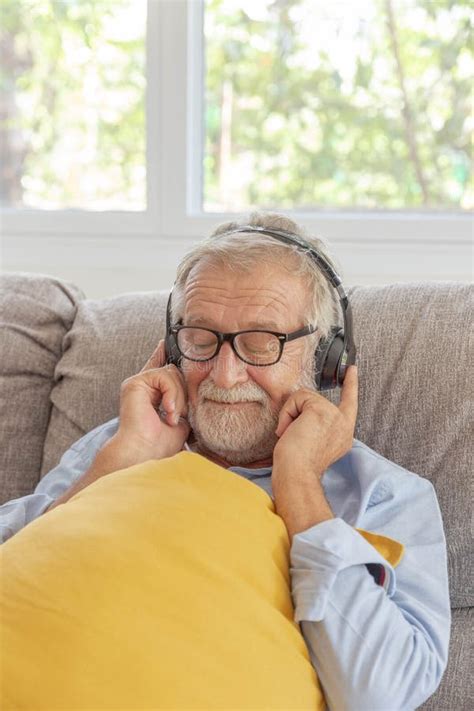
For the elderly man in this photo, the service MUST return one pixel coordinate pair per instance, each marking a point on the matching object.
(246, 317)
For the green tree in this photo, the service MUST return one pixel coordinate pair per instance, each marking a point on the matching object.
(72, 104)
(391, 130)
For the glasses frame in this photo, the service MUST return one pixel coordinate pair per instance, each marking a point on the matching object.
(230, 337)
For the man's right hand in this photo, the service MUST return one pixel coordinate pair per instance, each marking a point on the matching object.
(142, 434)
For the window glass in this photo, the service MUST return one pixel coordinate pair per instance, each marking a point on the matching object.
(72, 106)
(312, 104)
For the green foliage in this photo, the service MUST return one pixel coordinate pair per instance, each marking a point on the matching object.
(73, 82)
(312, 128)
(308, 104)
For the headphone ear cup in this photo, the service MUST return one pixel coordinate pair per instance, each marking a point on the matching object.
(172, 354)
(327, 357)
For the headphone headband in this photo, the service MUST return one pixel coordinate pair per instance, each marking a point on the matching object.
(290, 239)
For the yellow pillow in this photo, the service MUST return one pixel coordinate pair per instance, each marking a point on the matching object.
(161, 586)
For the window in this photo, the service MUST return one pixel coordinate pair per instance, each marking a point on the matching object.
(162, 118)
(363, 104)
(72, 131)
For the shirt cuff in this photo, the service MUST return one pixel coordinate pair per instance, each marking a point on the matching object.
(318, 554)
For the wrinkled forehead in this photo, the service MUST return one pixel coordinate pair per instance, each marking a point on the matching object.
(266, 295)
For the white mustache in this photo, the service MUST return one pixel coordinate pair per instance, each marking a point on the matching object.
(250, 392)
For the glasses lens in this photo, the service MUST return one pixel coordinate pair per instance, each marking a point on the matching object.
(258, 347)
(197, 343)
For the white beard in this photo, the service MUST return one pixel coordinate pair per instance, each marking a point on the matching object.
(238, 433)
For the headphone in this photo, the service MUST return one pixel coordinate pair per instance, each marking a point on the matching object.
(335, 353)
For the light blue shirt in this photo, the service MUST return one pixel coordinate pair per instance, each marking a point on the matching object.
(375, 647)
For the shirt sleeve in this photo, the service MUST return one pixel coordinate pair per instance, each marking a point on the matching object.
(16, 514)
(376, 647)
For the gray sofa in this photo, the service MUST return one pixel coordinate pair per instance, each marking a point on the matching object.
(63, 357)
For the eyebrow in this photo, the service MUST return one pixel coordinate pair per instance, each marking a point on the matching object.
(205, 323)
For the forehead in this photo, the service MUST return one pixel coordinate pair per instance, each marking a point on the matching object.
(268, 295)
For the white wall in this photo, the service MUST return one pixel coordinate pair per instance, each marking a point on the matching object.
(105, 266)
(111, 253)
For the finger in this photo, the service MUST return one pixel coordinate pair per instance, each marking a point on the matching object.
(291, 409)
(175, 401)
(164, 387)
(181, 423)
(348, 404)
(157, 358)
(174, 395)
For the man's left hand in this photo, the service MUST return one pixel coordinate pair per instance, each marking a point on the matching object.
(313, 433)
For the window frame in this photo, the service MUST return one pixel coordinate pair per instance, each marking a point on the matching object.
(175, 81)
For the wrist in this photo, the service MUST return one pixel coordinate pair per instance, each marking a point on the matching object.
(300, 501)
(285, 468)
(121, 452)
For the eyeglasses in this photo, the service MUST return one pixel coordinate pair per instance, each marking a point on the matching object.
(259, 348)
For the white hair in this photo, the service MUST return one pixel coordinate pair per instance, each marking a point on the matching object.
(241, 251)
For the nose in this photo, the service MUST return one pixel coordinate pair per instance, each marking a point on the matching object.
(227, 368)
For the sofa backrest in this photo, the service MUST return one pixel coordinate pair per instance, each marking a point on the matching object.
(36, 312)
(63, 358)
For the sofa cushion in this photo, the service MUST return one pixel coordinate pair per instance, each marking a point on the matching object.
(416, 395)
(36, 312)
(110, 340)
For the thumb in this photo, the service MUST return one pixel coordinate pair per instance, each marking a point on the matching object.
(157, 358)
(349, 394)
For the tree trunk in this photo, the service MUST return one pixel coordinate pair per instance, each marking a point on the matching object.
(406, 110)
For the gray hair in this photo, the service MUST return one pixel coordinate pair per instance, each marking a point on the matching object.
(241, 251)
